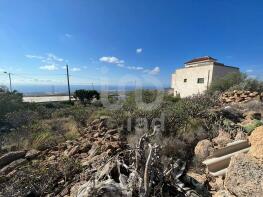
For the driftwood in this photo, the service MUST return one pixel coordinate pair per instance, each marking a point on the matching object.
(130, 174)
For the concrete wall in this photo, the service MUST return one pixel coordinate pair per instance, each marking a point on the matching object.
(209, 71)
(221, 71)
(191, 74)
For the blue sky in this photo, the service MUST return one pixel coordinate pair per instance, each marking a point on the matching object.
(125, 39)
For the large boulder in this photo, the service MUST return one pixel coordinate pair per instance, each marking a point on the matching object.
(232, 114)
(12, 166)
(256, 141)
(203, 149)
(244, 176)
(10, 157)
(32, 154)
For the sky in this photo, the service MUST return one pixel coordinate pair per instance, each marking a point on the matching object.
(125, 41)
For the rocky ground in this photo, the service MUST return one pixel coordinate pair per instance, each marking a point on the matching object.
(55, 171)
(244, 175)
(240, 96)
(101, 163)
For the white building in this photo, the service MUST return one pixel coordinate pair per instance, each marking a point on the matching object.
(197, 75)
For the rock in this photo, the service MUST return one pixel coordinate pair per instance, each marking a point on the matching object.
(94, 150)
(74, 189)
(105, 188)
(251, 115)
(223, 193)
(200, 178)
(12, 166)
(112, 131)
(31, 154)
(85, 147)
(104, 117)
(240, 136)
(53, 157)
(96, 121)
(244, 176)
(203, 149)
(93, 160)
(217, 183)
(256, 136)
(232, 114)
(10, 157)
(106, 169)
(96, 135)
(256, 141)
(222, 139)
(73, 151)
(101, 125)
(64, 192)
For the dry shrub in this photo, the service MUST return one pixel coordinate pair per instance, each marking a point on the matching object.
(56, 130)
(254, 105)
(173, 147)
(193, 131)
(133, 138)
(34, 179)
(41, 135)
(63, 127)
(69, 168)
(43, 140)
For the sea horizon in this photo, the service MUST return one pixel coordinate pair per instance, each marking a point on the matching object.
(63, 89)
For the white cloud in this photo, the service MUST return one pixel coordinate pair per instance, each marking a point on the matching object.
(135, 68)
(120, 63)
(249, 71)
(156, 70)
(34, 56)
(139, 50)
(49, 58)
(67, 35)
(50, 67)
(52, 57)
(111, 60)
(75, 69)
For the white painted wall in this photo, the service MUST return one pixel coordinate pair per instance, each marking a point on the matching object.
(208, 71)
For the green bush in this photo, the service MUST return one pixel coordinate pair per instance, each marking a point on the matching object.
(226, 82)
(86, 96)
(249, 84)
(236, 81)
(10, 102)
(79, 113)
(252, 126)
(21, 118)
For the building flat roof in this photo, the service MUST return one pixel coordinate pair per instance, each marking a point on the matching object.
(201, 59)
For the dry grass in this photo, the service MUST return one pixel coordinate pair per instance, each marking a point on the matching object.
(44, 134)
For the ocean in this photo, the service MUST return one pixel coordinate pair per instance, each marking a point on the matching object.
(63, 89)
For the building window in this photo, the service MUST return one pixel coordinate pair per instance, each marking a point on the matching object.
(185, 80)
(200, 80)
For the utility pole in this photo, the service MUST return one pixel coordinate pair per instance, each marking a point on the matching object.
(68, 85)
(10, 81)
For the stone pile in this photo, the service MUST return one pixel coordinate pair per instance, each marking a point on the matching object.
(89, 152)
(240, 96)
